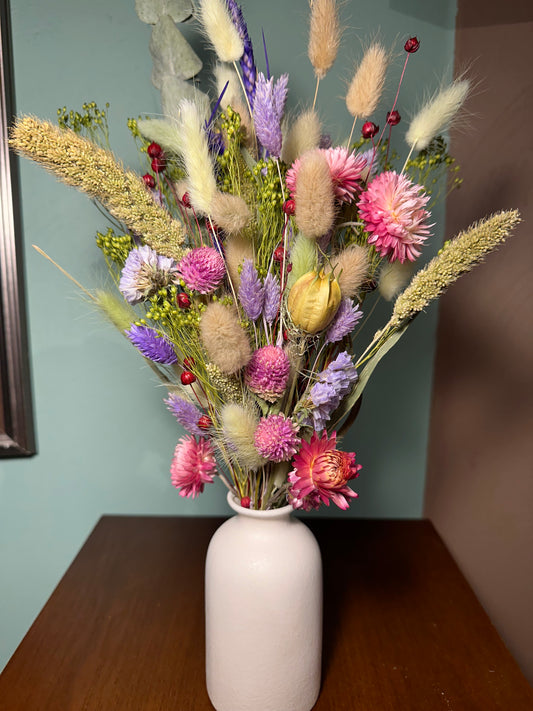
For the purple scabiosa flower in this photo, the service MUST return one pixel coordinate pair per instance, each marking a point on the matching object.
(247, 62)
(272, 297)
(152, 345)
(347, 316)
(269, 106)
(185, 412)
(276, 438)
(267, 372)
(332, 385)
(251, 291)
(144, 273)
(202, 269)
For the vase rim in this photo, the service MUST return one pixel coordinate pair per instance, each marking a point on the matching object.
(255, 513)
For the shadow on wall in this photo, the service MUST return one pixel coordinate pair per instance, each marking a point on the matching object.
(440, 14)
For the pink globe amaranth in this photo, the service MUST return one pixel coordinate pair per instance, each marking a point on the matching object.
(267, 372)
(321, 473)
(393, 211)
(276, 438)
(202, 269)
(193, 466)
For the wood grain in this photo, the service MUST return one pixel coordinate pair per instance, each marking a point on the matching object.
(124, 630)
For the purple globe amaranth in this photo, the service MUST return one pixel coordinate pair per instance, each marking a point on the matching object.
(267, 372)
(202, 269)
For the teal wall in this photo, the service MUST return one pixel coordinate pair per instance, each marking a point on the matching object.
(104, 437)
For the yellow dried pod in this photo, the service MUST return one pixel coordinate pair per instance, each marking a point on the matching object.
(313, 301)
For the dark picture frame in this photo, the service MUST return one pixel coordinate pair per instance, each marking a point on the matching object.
(16, 416)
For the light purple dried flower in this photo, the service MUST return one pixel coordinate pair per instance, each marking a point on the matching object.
(186, 413)
(251, 291)
(144, 273)
(272, 297)
(268, 111)
(152, 345)
(347, 316)
(333, 384)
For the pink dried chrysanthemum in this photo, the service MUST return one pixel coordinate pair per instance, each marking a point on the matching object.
(193, 465)
(395, 217)
(267, 372)
(276, 438)
(345, 169)
(321, 473)
(202, 269)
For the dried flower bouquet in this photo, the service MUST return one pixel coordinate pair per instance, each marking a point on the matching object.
(246, 256)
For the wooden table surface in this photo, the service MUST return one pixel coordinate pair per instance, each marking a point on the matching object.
(124, 629)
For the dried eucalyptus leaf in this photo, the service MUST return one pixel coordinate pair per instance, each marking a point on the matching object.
(150, 11)
(174, 90)
(171, 53)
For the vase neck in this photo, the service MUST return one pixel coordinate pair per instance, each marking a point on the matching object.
(282, 513)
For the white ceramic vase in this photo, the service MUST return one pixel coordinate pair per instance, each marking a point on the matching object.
(263, 595)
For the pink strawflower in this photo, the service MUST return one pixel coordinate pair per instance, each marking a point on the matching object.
(193, 465)
(321, 473)
(202, 269)
(267, 372)
(276, 438)
(395, 217)
(345, 169)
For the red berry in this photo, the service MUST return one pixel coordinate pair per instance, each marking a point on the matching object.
(279, 253)
(412, 45)
(159, 164)
(245, 502)
(186, 200)
(154, 150)
(183, 300)
(369, 130)
(205, 422)
(285, 334)
(393, 118)
(149, 181)
(188, 362)
(289, 206)
(187, 378)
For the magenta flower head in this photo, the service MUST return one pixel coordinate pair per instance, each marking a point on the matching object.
(321, 473)
(193, 465)
(202, 269)
(393, 210)
(267, 372)
(276, 438)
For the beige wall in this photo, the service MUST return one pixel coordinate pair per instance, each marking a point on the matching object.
(479, 491)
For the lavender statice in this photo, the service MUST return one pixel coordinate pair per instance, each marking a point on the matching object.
(272, 297)
(251, 291)
(144, 273)
(247, 62)
(152, 345)
(332, 385)
(186, 413)
(347, 316)
(269, 106)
